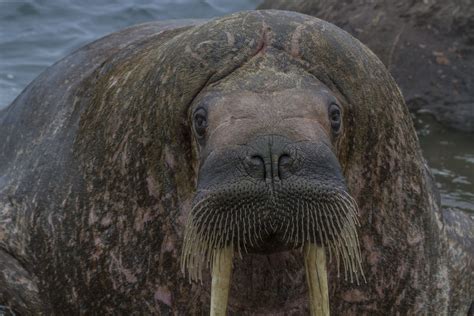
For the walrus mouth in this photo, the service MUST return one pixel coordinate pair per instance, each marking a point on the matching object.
(247, 218)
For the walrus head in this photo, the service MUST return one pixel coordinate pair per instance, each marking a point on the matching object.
(269, 177)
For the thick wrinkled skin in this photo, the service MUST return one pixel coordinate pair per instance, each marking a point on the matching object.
(98, 169)
(427, 46)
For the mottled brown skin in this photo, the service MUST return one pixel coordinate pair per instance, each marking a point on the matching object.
(98, 167)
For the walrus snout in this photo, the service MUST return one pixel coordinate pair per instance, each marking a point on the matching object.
(274, 163)
(269, 195)
(270, 158)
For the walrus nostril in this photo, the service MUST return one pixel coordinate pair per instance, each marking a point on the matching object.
(257, 166)
(270, 158)
(278, 168)
(284, 163)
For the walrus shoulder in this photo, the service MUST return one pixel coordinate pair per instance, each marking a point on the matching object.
(37, 132)
(52, 100)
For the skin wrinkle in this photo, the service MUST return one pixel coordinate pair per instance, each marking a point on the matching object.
(339, 94)
(223, 147)
(274, 123)
(231, 120)
(296, 117)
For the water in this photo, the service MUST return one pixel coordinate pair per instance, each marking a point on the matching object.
(35, 34)
(450, 154)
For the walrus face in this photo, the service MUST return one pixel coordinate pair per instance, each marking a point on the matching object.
(269, 178)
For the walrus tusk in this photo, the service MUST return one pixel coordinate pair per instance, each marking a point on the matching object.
(221, 272)
(317, 278)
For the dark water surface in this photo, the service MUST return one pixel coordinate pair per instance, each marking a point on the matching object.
(35, 34)
(450, 154)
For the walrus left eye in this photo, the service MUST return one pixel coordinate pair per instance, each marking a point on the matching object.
(335, 117)
(200, 122)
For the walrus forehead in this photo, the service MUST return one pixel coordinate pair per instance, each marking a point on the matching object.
(260, 98)
(299, 114)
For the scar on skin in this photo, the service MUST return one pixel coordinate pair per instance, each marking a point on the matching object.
(265, 39)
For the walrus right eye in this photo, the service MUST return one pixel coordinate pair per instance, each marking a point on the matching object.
(200, 122)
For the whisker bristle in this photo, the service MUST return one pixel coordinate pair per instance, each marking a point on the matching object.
(328, 218)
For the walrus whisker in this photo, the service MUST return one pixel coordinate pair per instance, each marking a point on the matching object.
(250, 227)
(323, 228)
(328, 217)
(210, 234)
(318, 226)
(227, 229)
(341, 247)
(350, 249)
(257, 237)
(202, 219)
(325, 206)
(308, 221)
(290, 237)
(355, 247)
(238, 241)
(266, 228)
(285, 234)
(222, 229)
(259, 233)
(338, 219)
(331, 211)
(297, 233)
(304, 215)
(244, 235)
(352, 207)
(348, 259)
(330, 207)
(231, 227)
(251, 233)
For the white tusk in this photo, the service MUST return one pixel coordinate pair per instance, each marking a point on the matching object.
(221, 272)
(317, 278)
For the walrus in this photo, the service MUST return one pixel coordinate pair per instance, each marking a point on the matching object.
(258, 163)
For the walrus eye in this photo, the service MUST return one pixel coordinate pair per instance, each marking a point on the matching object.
(335, 117)
(200, 122)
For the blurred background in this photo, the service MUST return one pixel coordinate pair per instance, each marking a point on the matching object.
(36, 33)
